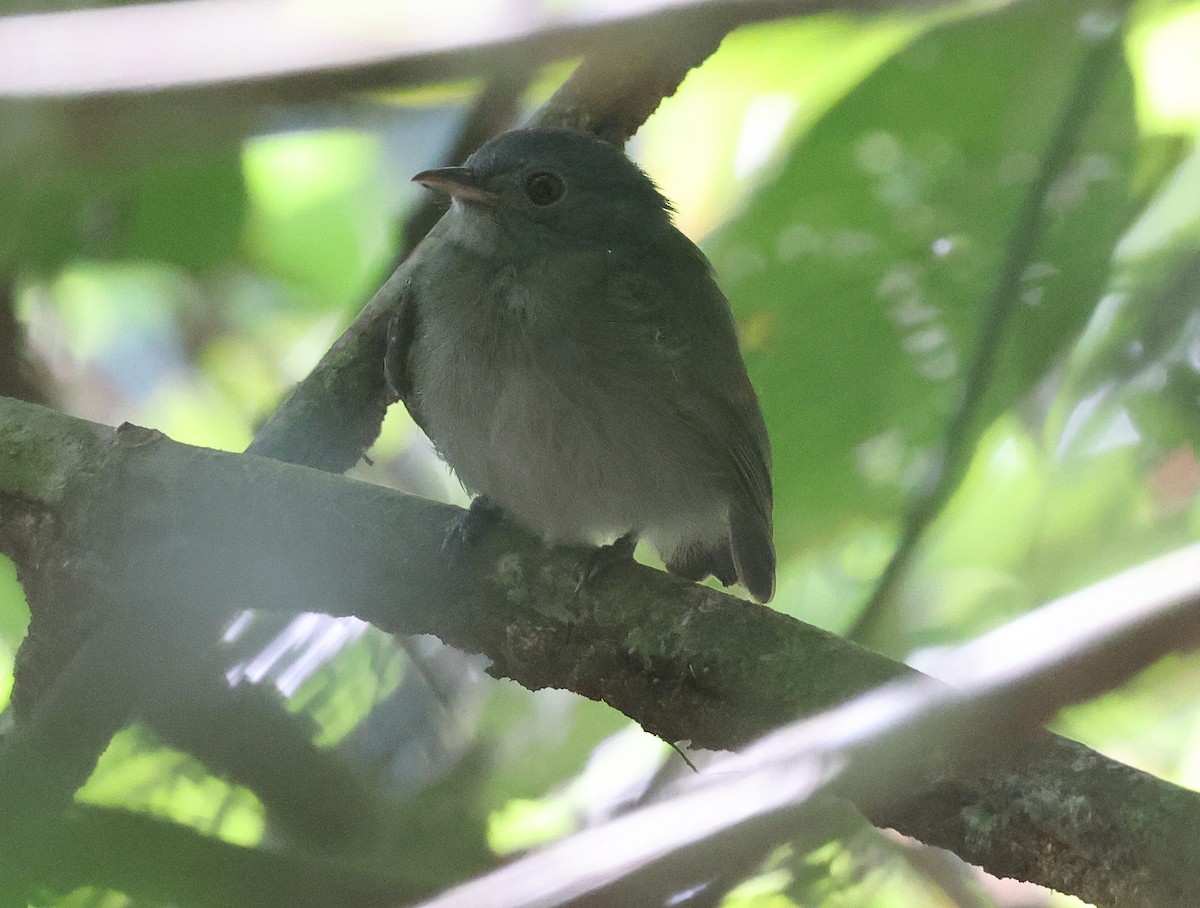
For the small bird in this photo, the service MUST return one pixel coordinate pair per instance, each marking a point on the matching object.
(568, 351)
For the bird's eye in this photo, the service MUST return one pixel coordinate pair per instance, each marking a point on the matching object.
(544, 188)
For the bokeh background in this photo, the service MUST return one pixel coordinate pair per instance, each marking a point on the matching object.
(855, 182)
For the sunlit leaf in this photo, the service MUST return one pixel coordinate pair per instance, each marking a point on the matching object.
(319, 216)
(137, 773)
(14, 618)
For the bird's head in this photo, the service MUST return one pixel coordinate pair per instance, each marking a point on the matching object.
(547, 184)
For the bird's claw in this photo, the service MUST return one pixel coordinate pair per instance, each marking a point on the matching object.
(601, 559)
(472, 523)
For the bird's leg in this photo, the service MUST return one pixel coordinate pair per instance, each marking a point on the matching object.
(472, 523)
(601, 559)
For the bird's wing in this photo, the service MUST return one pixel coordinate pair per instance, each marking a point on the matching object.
(397, 360)
(750, 447)
(730, 415)
(714, 399)
(713, 379)
(750, 531)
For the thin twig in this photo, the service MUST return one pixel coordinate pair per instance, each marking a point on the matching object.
(999, 309)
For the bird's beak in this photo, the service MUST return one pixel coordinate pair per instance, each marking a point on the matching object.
(458, 182)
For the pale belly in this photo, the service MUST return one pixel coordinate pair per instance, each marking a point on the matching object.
(568, 463)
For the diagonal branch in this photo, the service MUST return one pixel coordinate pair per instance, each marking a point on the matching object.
(617, 87)
(883, 745)
(160, 862)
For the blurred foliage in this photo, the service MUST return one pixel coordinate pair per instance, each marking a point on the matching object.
(138, 773)
(14, 618)
(855, 182)
(887, 227)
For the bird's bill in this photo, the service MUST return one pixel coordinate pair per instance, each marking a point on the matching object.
(458, 182)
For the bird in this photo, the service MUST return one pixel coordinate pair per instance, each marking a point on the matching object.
(567, 350)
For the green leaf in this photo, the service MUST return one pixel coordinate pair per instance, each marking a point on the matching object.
(185, 209)
(859, 273)
(183, 206)
(14, 619)
(319, 214)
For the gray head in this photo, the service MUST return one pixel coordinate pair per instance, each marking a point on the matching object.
(555, 185)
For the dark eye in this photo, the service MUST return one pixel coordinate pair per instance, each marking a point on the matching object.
(544, 188)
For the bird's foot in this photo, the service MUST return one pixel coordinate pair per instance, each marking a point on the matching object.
(472, 523)
(602, 559)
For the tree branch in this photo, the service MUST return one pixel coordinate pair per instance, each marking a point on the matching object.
(687, 662)
(880, 748)
(200, 47)
(616, 89)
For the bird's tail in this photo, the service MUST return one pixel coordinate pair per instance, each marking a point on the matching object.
(753, 550)
(746, 557)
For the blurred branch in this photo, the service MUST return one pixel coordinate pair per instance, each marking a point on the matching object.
(55, 747)
(495, 110)
(245, 734)
(331, 417)
(16, 372)
(881, 747)
(158, 861)
(616, 89)
(162, 862)
(201, 46)
(1003, 301)
(188, 530)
